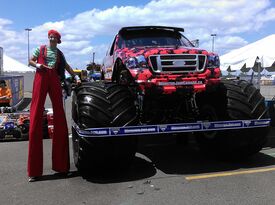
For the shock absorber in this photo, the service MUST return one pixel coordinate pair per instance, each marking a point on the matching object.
(139, 103)
(194, 107)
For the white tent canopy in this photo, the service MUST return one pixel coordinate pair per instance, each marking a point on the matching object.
(12, 65)
(246, 57)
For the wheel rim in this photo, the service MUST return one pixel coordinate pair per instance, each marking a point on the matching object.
(123, 78)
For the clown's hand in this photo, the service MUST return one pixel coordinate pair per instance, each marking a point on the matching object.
(77, 80)
(38, 66)
(41, 66)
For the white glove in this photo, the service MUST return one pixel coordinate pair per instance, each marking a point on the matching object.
(38, 65)
(76, 78)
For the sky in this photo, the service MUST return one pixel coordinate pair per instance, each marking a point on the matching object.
(89, 26)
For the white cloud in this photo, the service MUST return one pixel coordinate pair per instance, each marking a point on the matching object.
(230, 42)
(74, 45)
(200, 18)
(4, 22)
(80, 58)
(268, 15)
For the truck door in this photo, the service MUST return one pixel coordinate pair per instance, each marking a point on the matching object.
(108, 62)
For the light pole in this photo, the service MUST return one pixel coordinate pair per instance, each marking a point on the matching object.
(213, 40)
(93, 58)
(258, 62)
(28, 30)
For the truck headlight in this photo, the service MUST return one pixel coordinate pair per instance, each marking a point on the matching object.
(142, 61)
(136, 62)
(213, 61)
(132, 63)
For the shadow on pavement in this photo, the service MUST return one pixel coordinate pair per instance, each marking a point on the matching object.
(178, 159)
(271, 140)
(140, 169)
(58, 176)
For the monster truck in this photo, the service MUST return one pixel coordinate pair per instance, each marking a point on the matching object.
(153, 75)
(15, 125)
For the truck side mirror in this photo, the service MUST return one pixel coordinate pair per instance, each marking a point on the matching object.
(196, 43)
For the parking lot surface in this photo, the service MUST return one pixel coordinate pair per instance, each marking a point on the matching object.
(164, 173)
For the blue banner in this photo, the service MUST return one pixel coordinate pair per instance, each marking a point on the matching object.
(171, 128)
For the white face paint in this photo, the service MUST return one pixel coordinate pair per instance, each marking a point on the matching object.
(52, 39)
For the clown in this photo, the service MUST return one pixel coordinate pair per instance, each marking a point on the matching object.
(50, 66)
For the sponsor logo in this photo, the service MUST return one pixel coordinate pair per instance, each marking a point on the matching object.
(179, 63)
(180, 83)
(139, 130)
(224, 125)
(247, 122)
(99, 132)
(261, 123)
(187, 127)
(206, 124)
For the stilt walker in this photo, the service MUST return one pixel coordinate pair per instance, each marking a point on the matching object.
(50, 66)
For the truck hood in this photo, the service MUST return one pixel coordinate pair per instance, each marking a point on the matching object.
(127, 53)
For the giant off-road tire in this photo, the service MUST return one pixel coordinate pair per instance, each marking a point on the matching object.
(232, 100)
(96, 105)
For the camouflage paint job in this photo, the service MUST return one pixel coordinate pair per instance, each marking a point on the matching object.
(146, 78)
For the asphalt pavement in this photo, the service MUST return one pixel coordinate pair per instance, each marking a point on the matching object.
(166, 173)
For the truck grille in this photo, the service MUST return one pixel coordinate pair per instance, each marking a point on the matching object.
(178, 63)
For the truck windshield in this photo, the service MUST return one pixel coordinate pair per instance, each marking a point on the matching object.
(153, 39)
